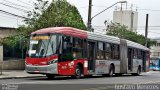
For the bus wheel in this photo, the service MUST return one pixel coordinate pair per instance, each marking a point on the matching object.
(138, 71)
(118, 74)
(111, 71)
(78, 72)
(50, 76)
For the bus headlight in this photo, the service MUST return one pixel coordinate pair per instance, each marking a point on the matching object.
(52, 61)
(71, 64)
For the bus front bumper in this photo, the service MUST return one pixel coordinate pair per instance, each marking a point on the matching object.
(46, 69)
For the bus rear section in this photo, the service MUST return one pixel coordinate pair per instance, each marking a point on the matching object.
(137, 60)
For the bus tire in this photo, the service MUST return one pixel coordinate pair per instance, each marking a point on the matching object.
(88, 76)
(138, 72)
(118, 74)
(78, 72)
(111, 71)
(105, 75)
(50, 76)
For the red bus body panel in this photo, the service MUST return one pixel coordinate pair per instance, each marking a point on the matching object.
(64, 68)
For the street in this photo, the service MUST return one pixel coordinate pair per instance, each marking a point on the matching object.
(92, 83)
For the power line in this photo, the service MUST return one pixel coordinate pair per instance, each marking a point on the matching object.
(13, 7)
(8, 13)
(7, 16)
(148, 26)
(16, 4)
(153, 10)
(24, 3)
(83, 7)
(137, 26)
(31, 1)
(101, 6)
(154, 32)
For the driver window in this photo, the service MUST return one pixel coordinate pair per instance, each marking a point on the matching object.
(52, 46)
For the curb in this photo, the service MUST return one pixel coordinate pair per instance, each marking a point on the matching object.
(19, 77)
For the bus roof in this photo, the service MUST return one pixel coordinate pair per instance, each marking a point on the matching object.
(113, 39)
(63, 30)
(136, 45)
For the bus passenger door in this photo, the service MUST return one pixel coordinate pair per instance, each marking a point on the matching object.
(91, 56)
(144, 59)
(123, 56)
(130, 59)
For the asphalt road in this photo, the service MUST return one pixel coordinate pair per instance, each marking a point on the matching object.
(67, 83)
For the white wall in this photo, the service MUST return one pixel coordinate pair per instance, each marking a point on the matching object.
(125, 18)
(1, 53)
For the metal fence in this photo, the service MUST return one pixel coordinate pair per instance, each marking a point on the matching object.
(13, 52)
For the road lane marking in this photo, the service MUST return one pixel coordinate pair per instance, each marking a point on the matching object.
(152, 82)
(101, 88)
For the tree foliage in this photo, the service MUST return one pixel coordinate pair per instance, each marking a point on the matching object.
(58, 13)
(121, 31)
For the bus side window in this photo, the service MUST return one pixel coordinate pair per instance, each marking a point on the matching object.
(115, 51)
(85, 48)
(135, 54)
(100, 50)
(139, 54)
(108, 51)
(67, 48)
(77, 48)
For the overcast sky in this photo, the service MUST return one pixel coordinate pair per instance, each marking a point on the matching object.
(143, 7)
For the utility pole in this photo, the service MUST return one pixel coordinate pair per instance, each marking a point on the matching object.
(89, 24)
(89, 16)
(146, 30)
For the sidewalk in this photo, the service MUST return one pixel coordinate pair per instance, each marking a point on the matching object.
(9, 74)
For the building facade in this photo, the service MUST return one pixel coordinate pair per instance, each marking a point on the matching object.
(128, 18)
(7, 31)
(155, 49)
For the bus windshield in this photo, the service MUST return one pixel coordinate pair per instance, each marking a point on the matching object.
(42, 45)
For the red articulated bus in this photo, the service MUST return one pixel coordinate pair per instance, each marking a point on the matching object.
(72, 52)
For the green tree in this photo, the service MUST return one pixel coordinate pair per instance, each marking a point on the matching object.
(61, 13)
(121, 31)
(58, 13)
